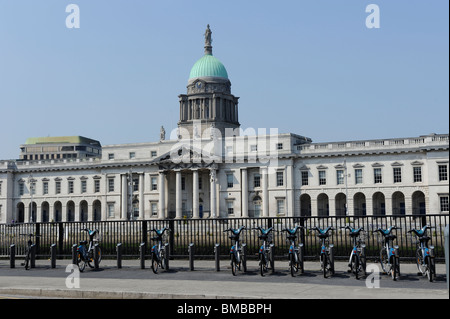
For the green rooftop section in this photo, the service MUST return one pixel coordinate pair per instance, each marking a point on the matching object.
(61, 140)
(208, 65)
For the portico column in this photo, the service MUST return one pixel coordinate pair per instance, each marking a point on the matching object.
(141, 197)
(124, 197)
(162, 195)
(244, 192)
(195, 198)
(213, 193)
(178, 198)
(265, 192)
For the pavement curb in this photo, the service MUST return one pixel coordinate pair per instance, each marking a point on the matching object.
(94, 294)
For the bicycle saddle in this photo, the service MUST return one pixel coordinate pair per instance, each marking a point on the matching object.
(83, 242)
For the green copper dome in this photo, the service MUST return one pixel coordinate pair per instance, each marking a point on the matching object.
(208, 65)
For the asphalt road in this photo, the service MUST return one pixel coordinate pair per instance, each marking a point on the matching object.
(205, 283)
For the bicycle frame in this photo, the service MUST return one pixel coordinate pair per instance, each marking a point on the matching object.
(236, 249)
(158, 249)
(391, 251)
(357, 261)
(264, 249)
(295, 262)
(326, 253)
(426, 265)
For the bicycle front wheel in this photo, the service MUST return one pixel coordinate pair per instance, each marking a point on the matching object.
(384, 260)
(420, 261)
(324, 258)
(234, 265)
(154, 263)
(262, 264)
(80, 262)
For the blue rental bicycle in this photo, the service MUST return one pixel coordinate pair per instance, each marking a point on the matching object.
(389, 254)
(357, 260)
(425, 259)
(237, 256)
(326, 251)
(160, 257)
(296, 259)
(265, 254)
(85, 250)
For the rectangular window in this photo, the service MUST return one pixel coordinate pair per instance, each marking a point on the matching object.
(183, 183)
(397, 174)
(230, 181)
(153, 153)
(154, 207)
(21, 188)
(154, 181)
(70, 187)
(256, 180)
(322, 178)
(230, 207)
(45, 188)
(97, 186)
(417, 171)
(57, 187)
(132, 155)
(444, 203)
(111, 210)
(377, 178)
(340, 177)
(305, 178)
(279, 146)
(280, 178)
(83, 186)
(443, 176)
(110, 184)
(135, 184)
(358, 176)
(111, 156)
(280, 206)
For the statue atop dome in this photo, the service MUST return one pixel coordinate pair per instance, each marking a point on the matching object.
(208, 41)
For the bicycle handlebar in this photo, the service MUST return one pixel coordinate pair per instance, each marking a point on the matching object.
(262, 230)
(421, 232)
(387, 232)
(161, 231)
(236, 231)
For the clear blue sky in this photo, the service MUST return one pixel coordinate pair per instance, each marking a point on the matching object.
(306, 67)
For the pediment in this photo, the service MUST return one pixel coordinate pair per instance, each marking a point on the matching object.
(185, 156)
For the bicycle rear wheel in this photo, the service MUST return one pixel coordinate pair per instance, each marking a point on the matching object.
(27, 259)
(431, 269)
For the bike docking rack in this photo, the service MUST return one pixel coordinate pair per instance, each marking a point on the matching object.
(203, 239)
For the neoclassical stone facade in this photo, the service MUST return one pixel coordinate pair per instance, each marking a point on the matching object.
(212, 168)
